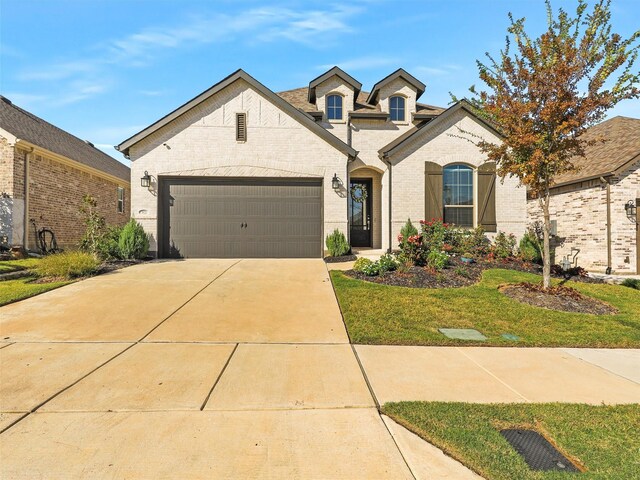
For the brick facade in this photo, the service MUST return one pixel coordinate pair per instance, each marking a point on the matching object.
(581, 214)
(201, 142)
(56, 189)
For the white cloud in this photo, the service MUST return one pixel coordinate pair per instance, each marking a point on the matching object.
(83, 78)
(436, 71)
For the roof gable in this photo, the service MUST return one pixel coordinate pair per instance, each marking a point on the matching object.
(403, 139)
(297, 114)
(348, 79)
(27, 127)
(400, 73)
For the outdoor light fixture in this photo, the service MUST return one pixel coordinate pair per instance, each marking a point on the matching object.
(145, 181)
(630, 209)
(335, 182)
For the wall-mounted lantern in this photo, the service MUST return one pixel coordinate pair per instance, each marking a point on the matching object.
(335, 182)
(145, 181)
(631, 210)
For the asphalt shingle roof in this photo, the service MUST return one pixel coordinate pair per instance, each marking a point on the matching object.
(621, 145)
(28, 127)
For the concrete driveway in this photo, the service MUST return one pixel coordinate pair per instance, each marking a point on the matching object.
(192, 369)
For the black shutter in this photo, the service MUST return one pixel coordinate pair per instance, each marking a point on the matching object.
(487, 197)
(432, 191)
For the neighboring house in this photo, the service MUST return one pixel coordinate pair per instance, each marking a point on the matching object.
(45, 172)
(240, 171)
(589, 204)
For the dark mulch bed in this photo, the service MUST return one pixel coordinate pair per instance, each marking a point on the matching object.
(457, 274)
(112, 265)
(340, 259)
(556, 298)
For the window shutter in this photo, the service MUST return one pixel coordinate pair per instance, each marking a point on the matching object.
(432, 191)
(487, 197)
(241, 127)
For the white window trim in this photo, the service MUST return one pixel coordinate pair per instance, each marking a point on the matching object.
(474, 173)
(406, 109)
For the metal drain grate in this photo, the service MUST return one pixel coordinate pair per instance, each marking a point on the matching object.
(537, 452)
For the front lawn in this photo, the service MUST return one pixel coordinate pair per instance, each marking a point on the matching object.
(7, 266)
(601, 439)
(14, 290)
(384, 315)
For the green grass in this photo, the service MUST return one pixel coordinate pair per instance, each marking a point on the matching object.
(602, 439)
(379, 314)
(14, 290)
(7, 266)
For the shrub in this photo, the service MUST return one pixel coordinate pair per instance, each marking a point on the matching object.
(133, 242)
(387, 263)
(405, 232)
(94, 225)
(530, 249)
(371, 269)
(631, 283)
(70, 264)
(504, 245)
(361, 263)
(107, 247)
(437, 259)
(337, 244)
(475, 242)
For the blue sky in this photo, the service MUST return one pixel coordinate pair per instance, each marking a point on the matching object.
(104, 69)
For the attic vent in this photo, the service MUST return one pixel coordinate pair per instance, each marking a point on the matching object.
(241, 127)
(89, 143)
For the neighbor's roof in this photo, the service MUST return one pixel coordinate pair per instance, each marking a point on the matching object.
(620, 148)
(36, 131)
(297, 113)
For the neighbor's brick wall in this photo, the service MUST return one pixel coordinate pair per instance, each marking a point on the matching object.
(444, 146)
(581, 213)
(55, 195)
(202, 142)
(6, 167)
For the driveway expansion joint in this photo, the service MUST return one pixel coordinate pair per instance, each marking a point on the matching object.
(206, 400)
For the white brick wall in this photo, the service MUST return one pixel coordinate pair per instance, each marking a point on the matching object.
(204, 138)
(444, 146)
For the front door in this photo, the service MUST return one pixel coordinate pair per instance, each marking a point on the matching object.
(360, 220)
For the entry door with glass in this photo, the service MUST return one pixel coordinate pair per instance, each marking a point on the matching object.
(360, 201)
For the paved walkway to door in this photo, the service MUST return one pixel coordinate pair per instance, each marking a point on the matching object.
(234, 369)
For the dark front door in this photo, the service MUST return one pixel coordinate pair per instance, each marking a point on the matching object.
(360, 214)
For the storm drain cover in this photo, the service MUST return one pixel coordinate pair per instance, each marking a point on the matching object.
(463, 334)
(510, 336)
(537, 452)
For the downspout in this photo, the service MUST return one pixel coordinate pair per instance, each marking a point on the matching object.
(608, 187)
(385, 158)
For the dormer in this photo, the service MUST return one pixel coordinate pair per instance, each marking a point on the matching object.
(397, 95)
(334, 93)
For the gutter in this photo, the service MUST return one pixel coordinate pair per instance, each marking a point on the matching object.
(607, 185)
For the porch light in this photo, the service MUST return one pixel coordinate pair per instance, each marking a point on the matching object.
(335, 182)
(145, 181)
(630, 209)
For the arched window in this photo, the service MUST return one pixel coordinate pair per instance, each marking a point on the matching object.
(334, 107)
(457, 193)
(396, 109)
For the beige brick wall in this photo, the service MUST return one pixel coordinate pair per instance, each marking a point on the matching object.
(335, 85)
(401, 88)
(581, 214)
(202, 142)
(444, 146)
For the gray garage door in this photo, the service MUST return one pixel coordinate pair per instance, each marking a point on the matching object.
(232, 218)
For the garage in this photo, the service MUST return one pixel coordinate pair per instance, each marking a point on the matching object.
(240, 218)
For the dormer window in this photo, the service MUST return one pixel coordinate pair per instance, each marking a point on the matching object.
(397, 109)
(334, 107)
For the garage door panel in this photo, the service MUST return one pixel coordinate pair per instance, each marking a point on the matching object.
(250, 218)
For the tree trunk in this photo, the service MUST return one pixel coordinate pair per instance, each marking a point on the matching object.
(546, 234)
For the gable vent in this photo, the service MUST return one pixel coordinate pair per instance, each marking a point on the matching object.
(241, 127)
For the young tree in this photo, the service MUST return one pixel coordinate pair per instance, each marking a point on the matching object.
(543, 96)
